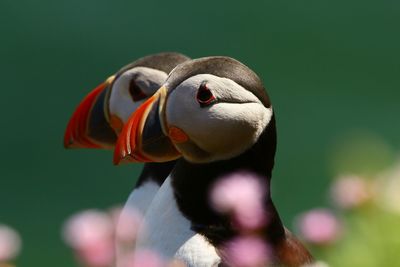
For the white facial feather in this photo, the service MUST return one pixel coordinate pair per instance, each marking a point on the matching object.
(121, 102)
(223, 129)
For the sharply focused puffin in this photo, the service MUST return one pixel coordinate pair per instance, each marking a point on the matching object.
(98, 119)
(214, 116)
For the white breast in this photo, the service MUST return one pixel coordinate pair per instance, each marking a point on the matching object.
(141, 197)
(168, 232)
(197, 252)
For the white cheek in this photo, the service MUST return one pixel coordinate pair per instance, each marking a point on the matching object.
(121, 103)
(123, 106)
(231, 128)
(223, 130)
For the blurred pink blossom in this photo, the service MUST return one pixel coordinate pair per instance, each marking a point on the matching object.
(143, 258)
(10, 243)
(127, 222)
(91, 234)
(319, 226)
(97, 255)
(350, 192)
(245, 251)
(242, 196)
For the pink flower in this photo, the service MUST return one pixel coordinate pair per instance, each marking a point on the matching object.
(319, 226)
(246, 251)
(10, 243)
(127, 222)
(350, 192)
(97, 255)
(91, 234)
(242, 196)
(143, 258)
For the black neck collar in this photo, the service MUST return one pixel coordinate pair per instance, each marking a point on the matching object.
(192, 184)
(156, 172)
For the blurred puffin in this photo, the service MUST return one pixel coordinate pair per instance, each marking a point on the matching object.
(214, 116)
(98, 119)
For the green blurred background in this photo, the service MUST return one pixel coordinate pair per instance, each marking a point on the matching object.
(331, 68)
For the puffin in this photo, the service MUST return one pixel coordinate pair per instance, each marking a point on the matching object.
(100, 116)
(213, 116)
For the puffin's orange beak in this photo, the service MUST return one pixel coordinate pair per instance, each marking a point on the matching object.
(88, 126)
(144, 138)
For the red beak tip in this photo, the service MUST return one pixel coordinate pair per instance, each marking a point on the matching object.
(121, 159)
(68, 143)
(76, 135)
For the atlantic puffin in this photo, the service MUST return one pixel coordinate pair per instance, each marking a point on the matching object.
(98, 119)
(214, 117)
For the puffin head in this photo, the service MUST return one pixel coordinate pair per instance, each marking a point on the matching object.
(208, 109)
(99, 118)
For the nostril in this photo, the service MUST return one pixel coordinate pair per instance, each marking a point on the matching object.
(204, 96)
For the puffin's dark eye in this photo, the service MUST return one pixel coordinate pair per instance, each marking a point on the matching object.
(205, 96)
(135, 91)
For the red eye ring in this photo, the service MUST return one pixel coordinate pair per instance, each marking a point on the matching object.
(204, 96)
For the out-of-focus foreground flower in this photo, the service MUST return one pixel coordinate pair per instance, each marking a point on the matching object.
(362, 228)
(127, 223)
(96, 236)
(319, 226)
(246, 251)
(143, 258)
(241, 195)
(350, 191)
(368, 205)
(91, 234)
(10, 244)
